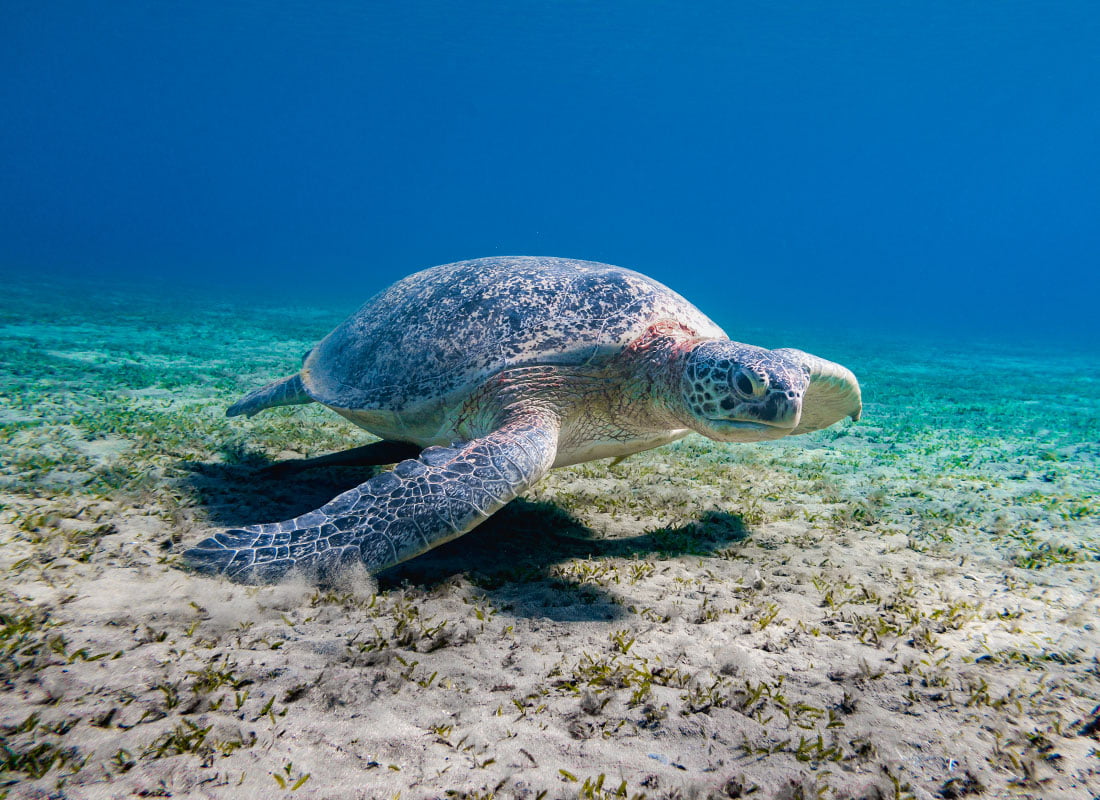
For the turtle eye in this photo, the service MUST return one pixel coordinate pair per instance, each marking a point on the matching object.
(749, 382)
(744, 383)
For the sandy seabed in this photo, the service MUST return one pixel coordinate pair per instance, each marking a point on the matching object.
(906, 607)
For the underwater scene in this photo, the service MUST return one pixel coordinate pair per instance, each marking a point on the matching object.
(582, 547)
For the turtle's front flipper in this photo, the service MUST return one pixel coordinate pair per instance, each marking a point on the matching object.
(369, 455)
(394, 516)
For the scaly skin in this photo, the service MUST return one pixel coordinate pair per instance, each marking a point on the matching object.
(394, 516)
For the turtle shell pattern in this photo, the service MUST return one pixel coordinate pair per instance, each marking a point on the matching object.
(448, 328)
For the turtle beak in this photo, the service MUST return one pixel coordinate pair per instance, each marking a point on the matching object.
(782, 408)
(832, 392)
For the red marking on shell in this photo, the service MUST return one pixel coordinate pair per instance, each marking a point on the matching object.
(666, 333)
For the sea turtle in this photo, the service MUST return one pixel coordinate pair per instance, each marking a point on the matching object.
(485, 374)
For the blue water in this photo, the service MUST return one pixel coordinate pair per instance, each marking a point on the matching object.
(925, 166)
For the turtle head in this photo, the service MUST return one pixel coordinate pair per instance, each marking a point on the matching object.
(735, 392)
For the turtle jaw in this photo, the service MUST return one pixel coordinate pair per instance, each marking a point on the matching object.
(743, 430)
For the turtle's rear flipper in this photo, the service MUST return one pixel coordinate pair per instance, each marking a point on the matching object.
(394, 516)
(374, 454)
(285, 392)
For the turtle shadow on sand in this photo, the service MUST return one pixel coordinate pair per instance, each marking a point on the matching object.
(249, 487)
(510, 557)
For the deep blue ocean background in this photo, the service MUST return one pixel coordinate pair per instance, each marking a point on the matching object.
(927, 167)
